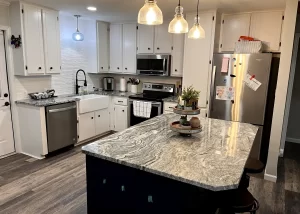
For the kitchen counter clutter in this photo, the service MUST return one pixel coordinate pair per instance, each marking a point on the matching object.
(213, 159)
(68, 98)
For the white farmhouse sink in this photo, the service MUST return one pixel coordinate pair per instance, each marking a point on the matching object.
(92, 102)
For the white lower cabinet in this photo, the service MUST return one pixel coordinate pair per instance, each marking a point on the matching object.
(102, 121)
(86, 126)
(121, 117)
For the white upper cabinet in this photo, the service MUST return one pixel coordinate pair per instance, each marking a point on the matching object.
(145, 39)
(234, 26)
(177, 55)
(33, 39)
(129, 48)
(266, 26)
(103, 46)
(51, 41)
(163, 39)
(197, 54)
(38, 27)
(116, 52)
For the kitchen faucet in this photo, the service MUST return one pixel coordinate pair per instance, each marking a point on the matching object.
(85, 83)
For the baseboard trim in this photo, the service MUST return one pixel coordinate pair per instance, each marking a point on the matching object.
(39, 158)
(271, 178)
(292, 140)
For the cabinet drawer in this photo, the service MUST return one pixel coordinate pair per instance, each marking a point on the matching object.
(168, 106)
(120, 101)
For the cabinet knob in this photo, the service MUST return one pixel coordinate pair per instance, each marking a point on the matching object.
(149, 48)
(175, 70)
(6, 95)
(101, 67)
(123, 111)
(92, 118)
(150, 199)
(125, 68)
(51, 68)
(123, 188)
(98, 115)
(40, 68)
(6, 104)
(118, 68)
(157, 48)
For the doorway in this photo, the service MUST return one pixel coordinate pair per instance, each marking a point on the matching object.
(7, 145)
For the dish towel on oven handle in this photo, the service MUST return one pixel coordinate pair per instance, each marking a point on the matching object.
(142, 109)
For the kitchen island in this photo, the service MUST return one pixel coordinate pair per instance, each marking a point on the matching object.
(150, 169)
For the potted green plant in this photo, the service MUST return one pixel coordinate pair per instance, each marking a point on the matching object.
(190, 97)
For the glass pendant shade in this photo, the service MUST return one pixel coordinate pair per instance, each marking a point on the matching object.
(197, 31)
(77, 36)
(150, 14)
(178, 24)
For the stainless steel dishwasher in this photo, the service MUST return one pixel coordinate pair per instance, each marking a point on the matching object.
(61, 122)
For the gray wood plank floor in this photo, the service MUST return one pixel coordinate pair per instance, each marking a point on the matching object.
(57, 184)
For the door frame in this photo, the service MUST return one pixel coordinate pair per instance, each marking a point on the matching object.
(289, 93)
(11, 78)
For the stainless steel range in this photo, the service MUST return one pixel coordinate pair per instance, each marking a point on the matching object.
(154, 93)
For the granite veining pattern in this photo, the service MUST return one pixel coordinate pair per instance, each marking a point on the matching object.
(69, 98)
(213, 159)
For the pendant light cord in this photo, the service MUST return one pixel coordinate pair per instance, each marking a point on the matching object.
(179, 3)
(77, 24)
(198, 11)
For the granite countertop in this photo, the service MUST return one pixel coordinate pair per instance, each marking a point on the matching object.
(68, 98)
(173, 99)
(213, 159)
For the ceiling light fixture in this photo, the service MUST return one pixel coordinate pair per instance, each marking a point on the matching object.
(150, 14)
(77, 36)
(178, 24)
(197, 31)
(92, 8)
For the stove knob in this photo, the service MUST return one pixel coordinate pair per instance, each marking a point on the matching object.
(149, 86)
(170, 88)
(166, 88)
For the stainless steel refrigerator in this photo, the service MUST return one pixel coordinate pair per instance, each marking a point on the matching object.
(239, 90)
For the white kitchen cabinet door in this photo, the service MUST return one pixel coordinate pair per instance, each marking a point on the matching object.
(163, 39)
(102, 121)
(234, 26)
(121, 117)
(103, 46)
(33, 39)
(116, 52)
(177, 55)
(129, 48)
(145, 39)
(266, 26)
(51, 41)
(86, 126)
(197, 54)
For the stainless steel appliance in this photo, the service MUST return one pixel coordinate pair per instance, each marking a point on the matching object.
(154, 93)
(61, 121)
(154, 65)
(108, 84)
(245, 102)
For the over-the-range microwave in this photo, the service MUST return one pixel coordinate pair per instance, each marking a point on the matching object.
(153, 65)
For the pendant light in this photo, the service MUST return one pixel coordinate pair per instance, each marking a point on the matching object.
(150, 14)
(178, 24)
(77, 36)
(197, 31)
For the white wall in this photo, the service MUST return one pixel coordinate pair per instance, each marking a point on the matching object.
(282, 86)
(74, 56)
(4, 15)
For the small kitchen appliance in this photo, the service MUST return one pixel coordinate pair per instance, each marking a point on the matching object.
(108, 84)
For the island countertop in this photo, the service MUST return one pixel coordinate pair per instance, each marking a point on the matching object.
(213, 159)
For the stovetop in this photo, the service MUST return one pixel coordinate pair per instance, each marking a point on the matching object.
(150, 97)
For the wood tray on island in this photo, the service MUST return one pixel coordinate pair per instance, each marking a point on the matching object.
(175, 126)
(186, 112)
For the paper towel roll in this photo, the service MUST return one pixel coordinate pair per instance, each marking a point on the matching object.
(123, 85)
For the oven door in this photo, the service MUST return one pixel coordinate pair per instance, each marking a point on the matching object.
(155, 111)
(154, 65)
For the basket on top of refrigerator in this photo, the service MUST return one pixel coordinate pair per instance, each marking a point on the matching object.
(248, 44)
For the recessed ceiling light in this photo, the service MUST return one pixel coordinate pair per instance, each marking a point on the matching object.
(92, 8)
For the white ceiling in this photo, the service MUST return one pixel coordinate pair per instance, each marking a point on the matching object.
(127, 10)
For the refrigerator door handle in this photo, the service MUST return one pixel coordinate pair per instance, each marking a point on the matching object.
(212, 89)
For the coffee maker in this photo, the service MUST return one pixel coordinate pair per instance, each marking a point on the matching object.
(108, 84)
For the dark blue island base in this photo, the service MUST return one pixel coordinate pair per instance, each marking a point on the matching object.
(115, 188)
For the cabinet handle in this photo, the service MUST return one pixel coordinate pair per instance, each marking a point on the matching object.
(150, 199)
(118, 68)
(125, 68)
(120, 101)
(170, 107)
(157, 48)
(92, 118)
(98, 115)
(149, 49)
(40, 68)
(123, 110)
(123, 188)
(101, 67)
(51, 68)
